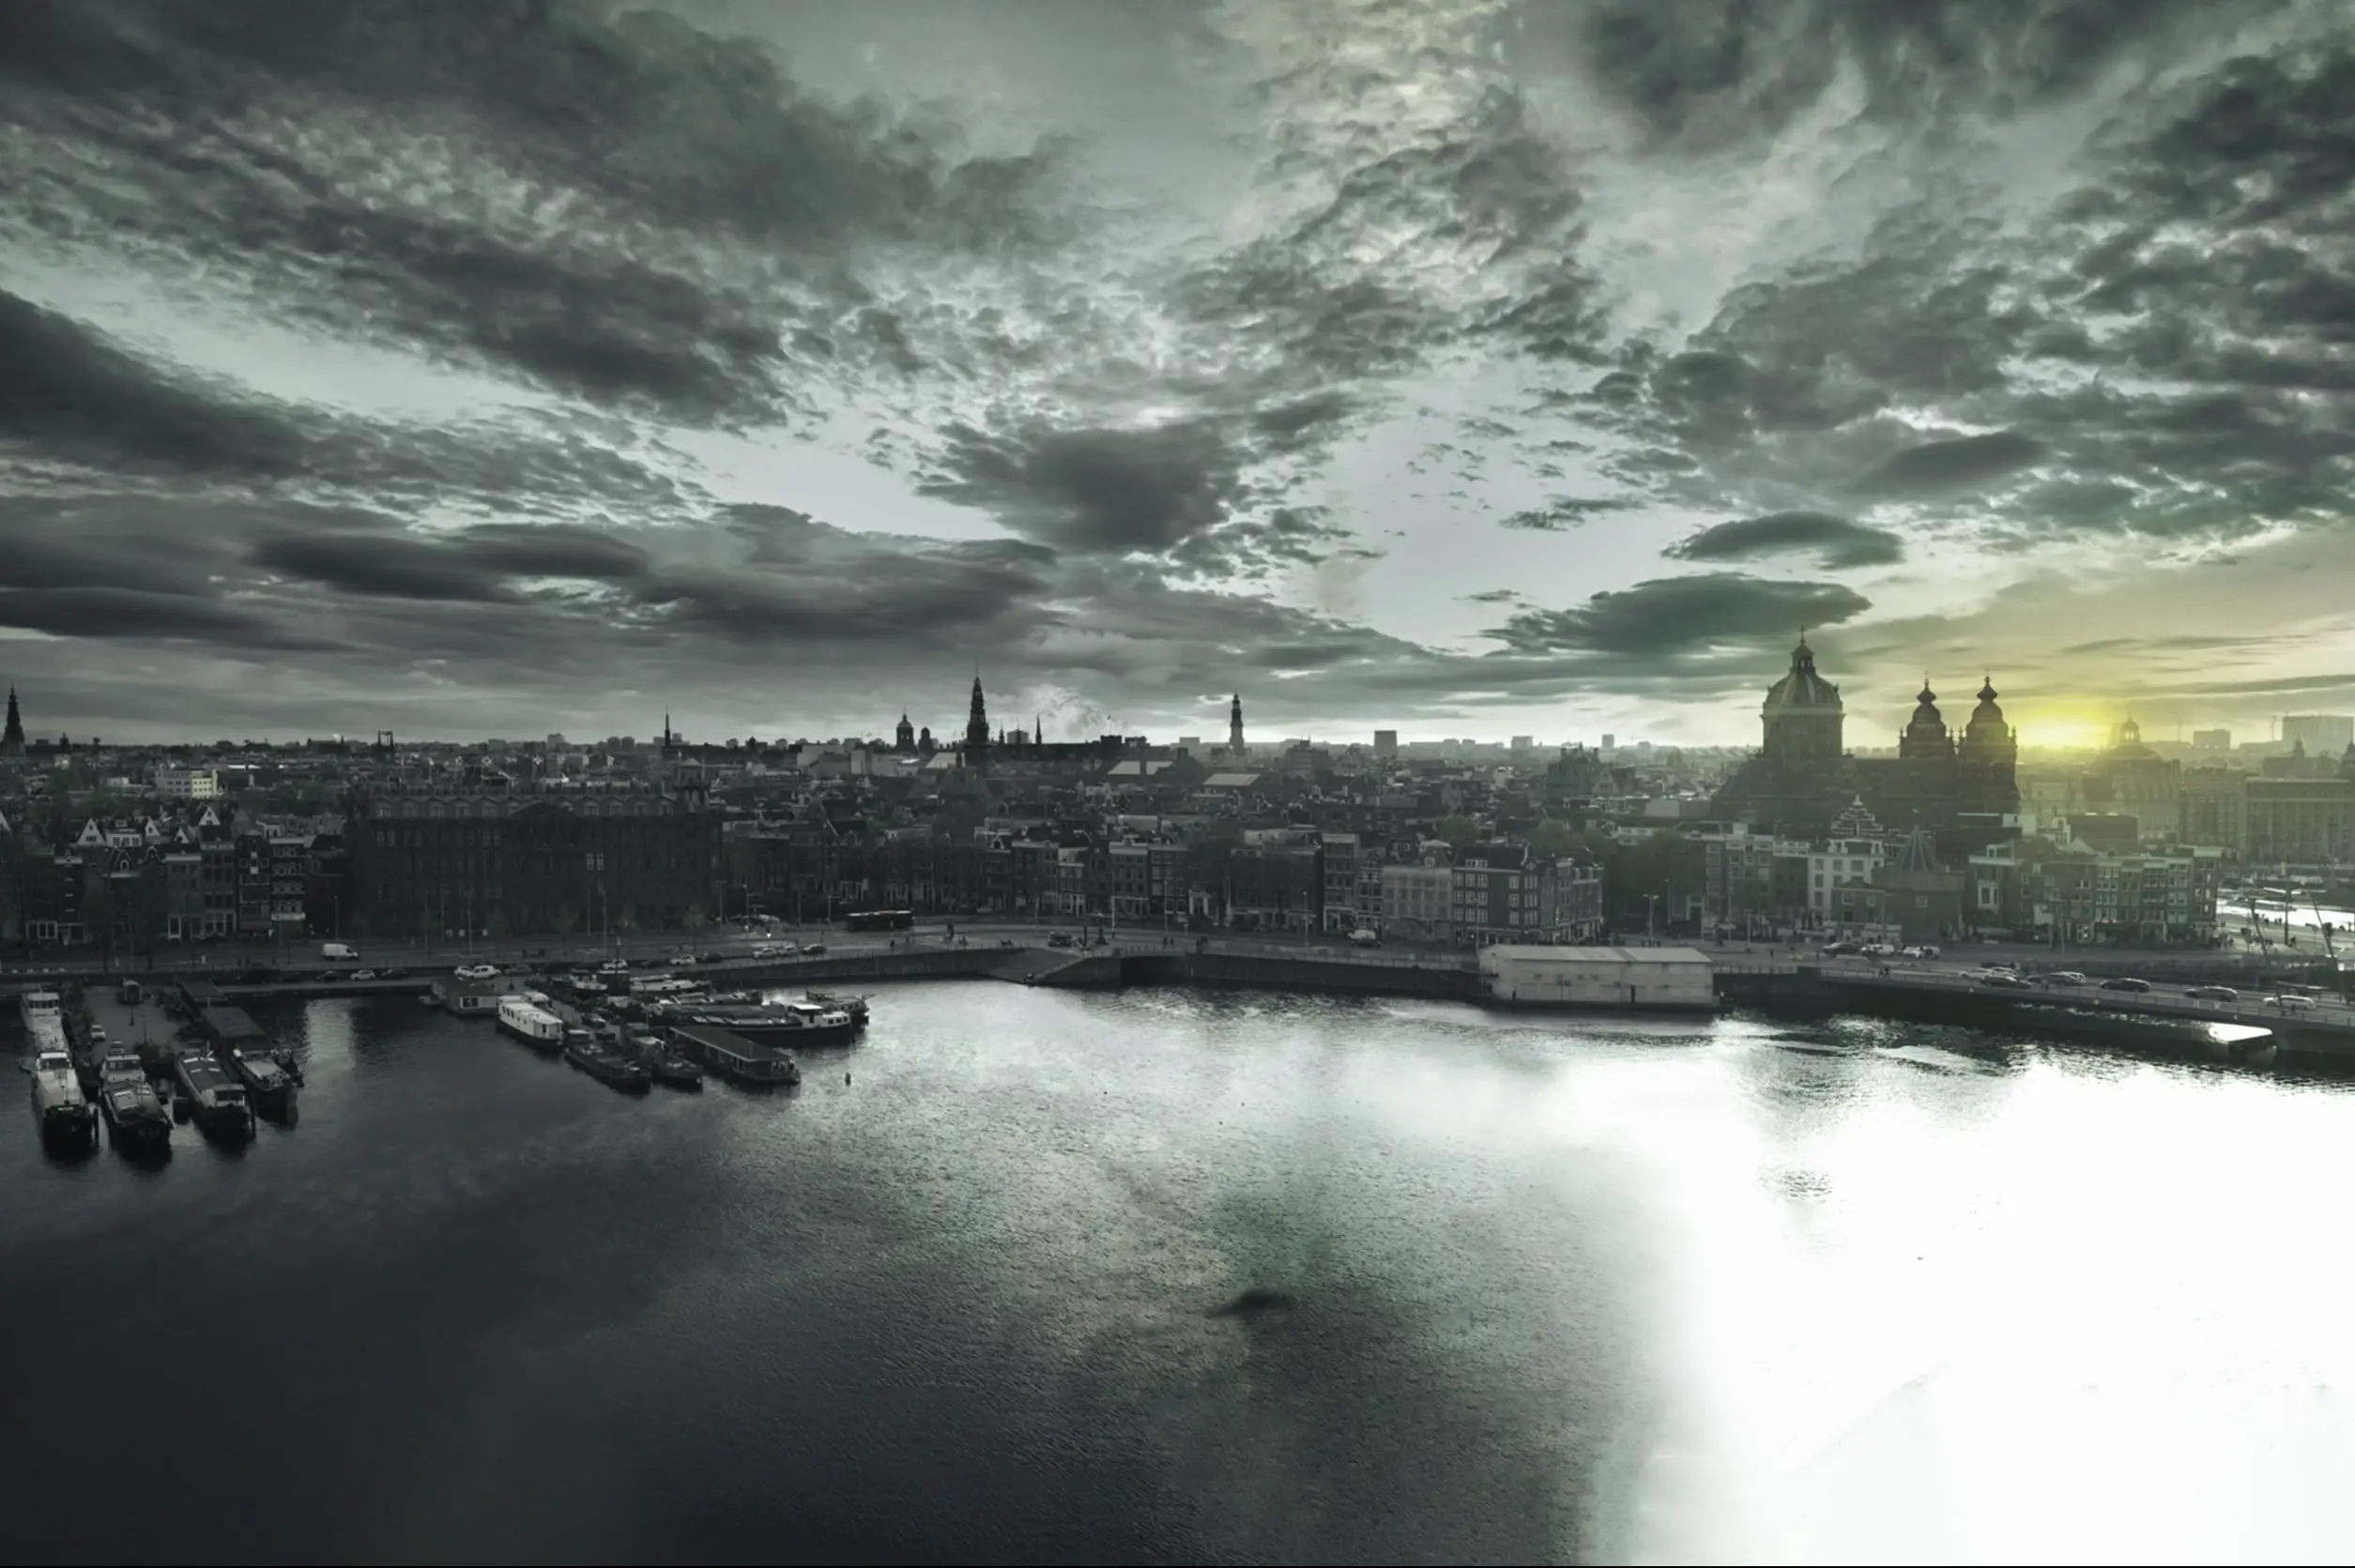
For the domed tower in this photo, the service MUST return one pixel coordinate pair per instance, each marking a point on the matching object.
(906, 739)
(1802, 715)
(1926, 736)
(1990, 756)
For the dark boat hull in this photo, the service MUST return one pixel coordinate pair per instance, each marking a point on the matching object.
(627, 1076)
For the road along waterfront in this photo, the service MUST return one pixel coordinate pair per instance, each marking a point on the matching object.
(1171, 1274)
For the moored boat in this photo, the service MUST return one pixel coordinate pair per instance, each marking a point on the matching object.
(733, 1056)
(603, 1063)
(662, 1060)
(853, 1005)
(785, 1024)
(66, 1116)
(533, 1023)
(204, 1090)
(270, 1088)
(136, 1121)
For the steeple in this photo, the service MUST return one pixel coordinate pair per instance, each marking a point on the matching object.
(977, 726)
(905, 736)
(1234, 724)
(12, 738)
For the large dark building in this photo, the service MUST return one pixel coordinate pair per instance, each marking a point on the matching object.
(516, 861)
(1957, 789)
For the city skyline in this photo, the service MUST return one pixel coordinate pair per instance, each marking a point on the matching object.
(1471, 370)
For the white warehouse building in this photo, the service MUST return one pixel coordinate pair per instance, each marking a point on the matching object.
(1672, 979)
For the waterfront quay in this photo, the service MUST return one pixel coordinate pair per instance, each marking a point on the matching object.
(1950, 990)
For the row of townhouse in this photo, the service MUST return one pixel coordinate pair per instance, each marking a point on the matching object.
(1283, 879)
(143, 885)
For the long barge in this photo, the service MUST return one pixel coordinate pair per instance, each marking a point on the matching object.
(780, 1024)
(735, 1058)
(603, 1063)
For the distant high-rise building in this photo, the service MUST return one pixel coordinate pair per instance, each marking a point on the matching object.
(1234, 724)
(2321, 733)
(1611, 741)
(556, 742)
(2212, 740)
(1385, 742)
(1525, 742)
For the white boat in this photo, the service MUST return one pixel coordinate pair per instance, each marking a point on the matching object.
(64, 1113)
(535, 1026)
(44, 1020)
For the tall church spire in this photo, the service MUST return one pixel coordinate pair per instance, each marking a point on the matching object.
(12, 738)
(977, 726)
(1234, 724)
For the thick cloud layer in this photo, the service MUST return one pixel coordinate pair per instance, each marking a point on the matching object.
(460, 364)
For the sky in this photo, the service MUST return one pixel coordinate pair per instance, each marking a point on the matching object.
(1467, 367)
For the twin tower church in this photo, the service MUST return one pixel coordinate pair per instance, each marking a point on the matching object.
(1959, 788)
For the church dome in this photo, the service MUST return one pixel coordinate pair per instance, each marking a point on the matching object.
(1926, 714)
(1801, 687)
(1987, 722)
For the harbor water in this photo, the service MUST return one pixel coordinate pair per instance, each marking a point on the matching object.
(1175, 1275)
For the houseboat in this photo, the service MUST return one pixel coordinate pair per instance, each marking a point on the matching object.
(733, 1056)
(533, 1023)
(136, 1122)
(243, 1049)
(853, 1005)
(783, 1024)
(203, 1092)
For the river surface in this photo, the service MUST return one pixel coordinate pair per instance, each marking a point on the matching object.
(1528, 1290)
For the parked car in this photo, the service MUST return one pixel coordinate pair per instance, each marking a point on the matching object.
(2000, 966)
(683, 958)
(1058, 938)
(1878, 949)
(816, 950)
(477, 971)
(2003, 980)
(2126, 983)
(2211, 994)
(1930, 949)
(1913, 953)
(1836, 949)
(714, 956)
(2067, 977)
(2287, 1002)
(392, 974)
(363, 974)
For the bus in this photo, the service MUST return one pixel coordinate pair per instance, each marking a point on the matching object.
(883, 920)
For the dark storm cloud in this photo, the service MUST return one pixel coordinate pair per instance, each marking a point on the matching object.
(1704, 73)
(1834, 540)
(66, 390)
(1097, 491)
(1942, 467)
(243, 134)
(1672, 614)
(110, 614)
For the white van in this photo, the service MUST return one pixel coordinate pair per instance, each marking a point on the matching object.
(337, 952)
